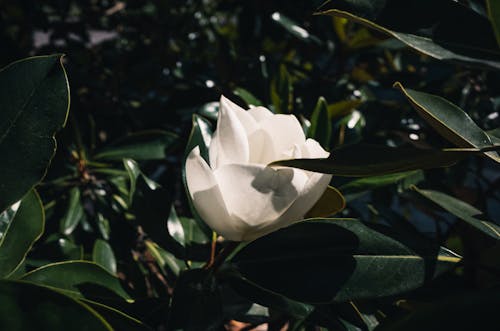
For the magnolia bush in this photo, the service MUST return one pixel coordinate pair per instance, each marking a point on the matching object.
(351, 185)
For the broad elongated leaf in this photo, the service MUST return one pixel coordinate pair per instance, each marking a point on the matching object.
(250, 99)
(321, 127)
(22, 224)
(337, 260)
(34, 99)
(145, 145)
(371, 160)
(494, 15)
(78, 278)
(74, 212)
(165, 259)
(432, 27)
(463, 211)
(103, 255)
(370, 183)
(28, 306)
(116, 318)
(448, 120)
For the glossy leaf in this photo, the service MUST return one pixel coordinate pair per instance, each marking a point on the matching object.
(337, 260)
(448, 120)
(330, 203)
(34, 98)
(175, 228)
(145, 145)
(431, 27)
(133, 173)
(28, 306)
(493, 7)
(74, 212)
(321, 127)
(370, 183)
(463, 211)
(372, 160)
(165, 259)
(250, 99)
(103, 255)
(79, 279)
(22, 225)
(293, 28)
(282, 91)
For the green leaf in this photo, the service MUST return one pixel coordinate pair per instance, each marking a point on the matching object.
(133, 173)
(372, 160)
(27, 307)
(34, 99)
(293, 28)
(282, 91)
(21, 225)
(371, 183)
(103, 255)
(337, 260)
(116, 318)
(321, 127)
(144, 145)
(74, 212)
(449, 121)
(165, 259)
(433, 28)
(330, 203)
(463, 211)
(494, 16)
(250, 99)
(175, 228)
(78, 279)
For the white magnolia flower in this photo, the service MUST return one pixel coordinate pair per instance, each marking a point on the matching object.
(237, 194)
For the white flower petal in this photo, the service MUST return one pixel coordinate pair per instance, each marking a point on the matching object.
(245, 118)
(312, 150)
(229, 143)
(207, 198)
(260, 113)
(261, 148)
(256, 194)
(285, 132)
(310, 194)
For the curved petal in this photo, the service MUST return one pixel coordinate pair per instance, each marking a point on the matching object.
(245, 118)
(260, 113)
(285, 132)
(312, 149)
(229, 143)
(261, 148)
(310, 194)
(258, 194)
(207, 198)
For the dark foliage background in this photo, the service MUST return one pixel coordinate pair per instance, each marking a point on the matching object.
(139, 70)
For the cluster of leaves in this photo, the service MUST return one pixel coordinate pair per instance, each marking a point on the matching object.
(107, 240)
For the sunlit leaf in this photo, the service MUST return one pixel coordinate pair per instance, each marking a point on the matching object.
(34, 103)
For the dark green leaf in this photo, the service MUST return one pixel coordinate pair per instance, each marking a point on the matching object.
(103, 255)
(337, 260)
(448, 120)
(34, 98)
(463, 211)
(293, 28)
(116, 318)
(133, 173)
(249, 98)
(494, 16)
(371, 160)
(432, 27)
(146, 145)
(175, 228)
(460, 312)
(165, 259)
(370, 183)
(78, 278)
(282, 91)
(321, 127)
(22, 225)
(74, 212)
(27, 307)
